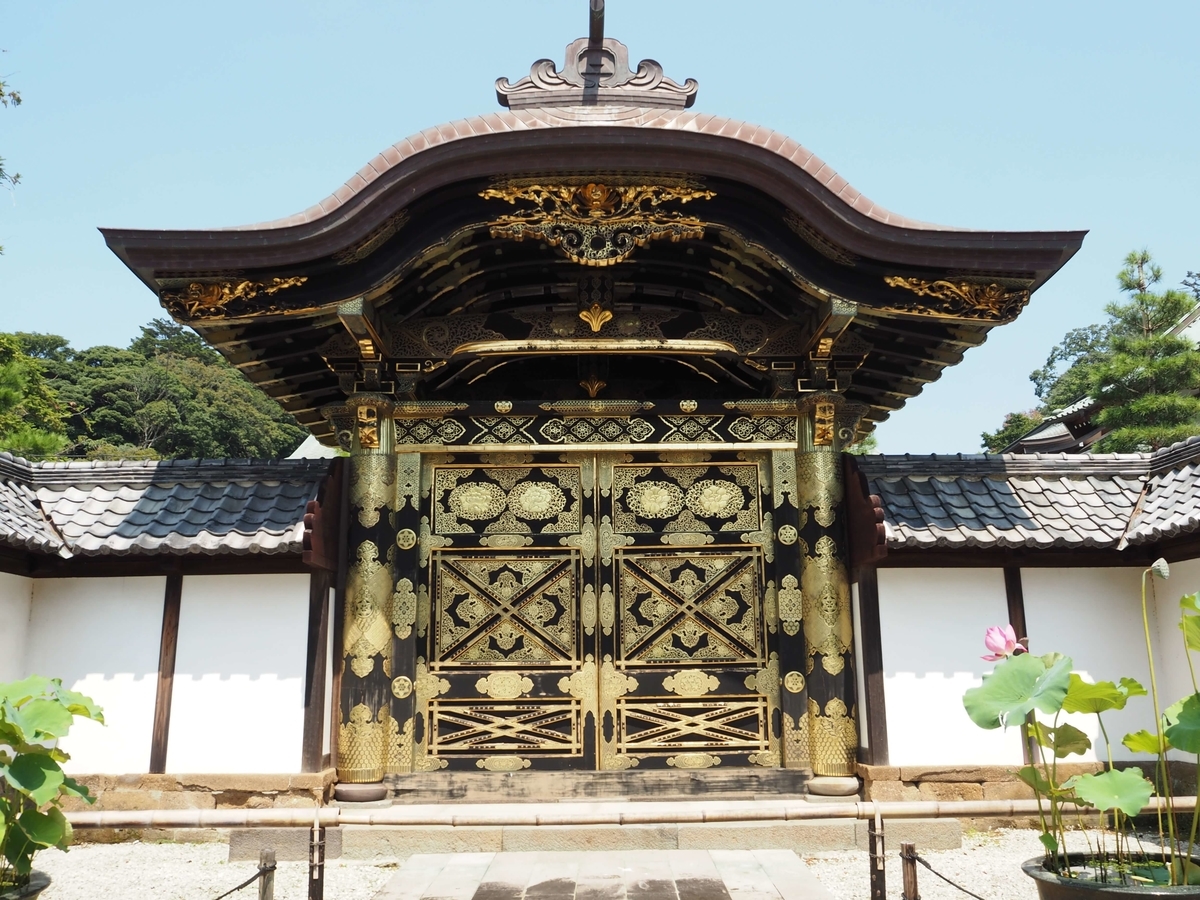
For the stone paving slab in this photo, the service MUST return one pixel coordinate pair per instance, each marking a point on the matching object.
(606, 875)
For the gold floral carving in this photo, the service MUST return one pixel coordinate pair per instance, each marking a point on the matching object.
(428, 541)
(209, 301)
(367, 420)
(596, 224)
(404, 607)
(402, 687)
(771, 607)
(587, 609)
(361, 747)
(372, 486)
(585, 541)
(958, 299)
(828, 629)
(502, 763)
(824, 415)
(833, 738)
(399, 741)
(791, 604)
(654, 499)
(796, 754)
(368, 629)
(608, 608)
(712, 499)
(691, 683)
(694, 761)
(504, 685)
(536, 500)
(477, 500)
(819, 482)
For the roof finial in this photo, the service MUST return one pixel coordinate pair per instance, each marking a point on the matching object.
(596, 24)
(596, 72)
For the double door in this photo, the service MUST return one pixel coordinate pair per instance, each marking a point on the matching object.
(597, 611)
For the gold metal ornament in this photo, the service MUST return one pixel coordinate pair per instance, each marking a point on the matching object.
(691, 683)
(402, 686)
(791, 604)
(794, 682)
(367, 627)
(833, 738)
(595, 316)
(597, 223)
(969, 301)
(361, 747)
(502, 763)
(504, 685)
(828, 628)
(694, 761)
(404, 608)
(819, 481)
(406, 539)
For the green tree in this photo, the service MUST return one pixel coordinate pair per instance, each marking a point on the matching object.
(167, 395)
(1066, 376)
(31, 417)
(1016, 425)
(1149, 381)
(865, 447)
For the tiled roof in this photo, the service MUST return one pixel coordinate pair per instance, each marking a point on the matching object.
(1037, 500)
(176, 507)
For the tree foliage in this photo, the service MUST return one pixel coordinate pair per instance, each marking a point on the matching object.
(1016, 425)
(167, 395)
(8, 97)
(31, 416)
(1145, 378)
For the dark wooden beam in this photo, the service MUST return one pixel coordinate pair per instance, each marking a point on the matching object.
(1029, 558)
(1015, 594)
(339, 607)
(41, 565)
(166, 674)
(311, 757)
(874, 705)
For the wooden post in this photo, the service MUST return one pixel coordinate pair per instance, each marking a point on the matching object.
(169, 641)
(266, 884)
(908, 868)
(875, 856)
(316, 861)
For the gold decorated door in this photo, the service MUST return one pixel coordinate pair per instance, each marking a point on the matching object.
(601, 610)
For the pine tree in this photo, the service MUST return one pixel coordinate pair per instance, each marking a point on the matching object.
(1149, 379)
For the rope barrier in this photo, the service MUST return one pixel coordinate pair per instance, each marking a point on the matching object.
(249, 881)
(918, 858)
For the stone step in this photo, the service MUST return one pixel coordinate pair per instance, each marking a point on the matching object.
(674, 828)
(553, 786)
(637, 875)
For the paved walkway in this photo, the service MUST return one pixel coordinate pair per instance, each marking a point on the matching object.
(605, 875)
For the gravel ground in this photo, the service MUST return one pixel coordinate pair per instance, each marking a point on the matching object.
(988, 864)
(137, 871)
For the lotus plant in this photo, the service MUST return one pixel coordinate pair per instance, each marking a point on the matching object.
(1023, 684)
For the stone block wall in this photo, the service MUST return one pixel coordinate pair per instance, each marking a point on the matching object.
(127, 792)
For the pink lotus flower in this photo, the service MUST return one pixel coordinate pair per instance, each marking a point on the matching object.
(1002, 641)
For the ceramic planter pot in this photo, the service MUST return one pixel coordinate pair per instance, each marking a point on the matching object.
(1052, 887)
(38, 882)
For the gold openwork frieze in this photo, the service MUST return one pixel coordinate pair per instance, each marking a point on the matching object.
(965, 300)
(215, 300)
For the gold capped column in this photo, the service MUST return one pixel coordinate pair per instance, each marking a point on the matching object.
(365, 703)
(827, 426)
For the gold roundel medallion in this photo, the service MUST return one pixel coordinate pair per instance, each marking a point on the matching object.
(406, 539)
(794, 682)
(401, 687)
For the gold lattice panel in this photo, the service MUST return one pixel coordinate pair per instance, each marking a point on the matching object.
(721, 723)
(506, 609)
(523, 728)
(510, 500)
(696, 606)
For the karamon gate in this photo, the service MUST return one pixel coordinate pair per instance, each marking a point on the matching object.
(595, 360)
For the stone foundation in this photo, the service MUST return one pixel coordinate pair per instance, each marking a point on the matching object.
(127, 792)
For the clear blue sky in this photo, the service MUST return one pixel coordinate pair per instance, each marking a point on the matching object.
(1026, 114)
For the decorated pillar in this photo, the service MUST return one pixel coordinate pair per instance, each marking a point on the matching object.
(367, 727)
(827, 426)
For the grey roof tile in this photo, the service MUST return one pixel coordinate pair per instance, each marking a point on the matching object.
(175, 507)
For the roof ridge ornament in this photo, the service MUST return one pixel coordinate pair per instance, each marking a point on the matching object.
(596, 72)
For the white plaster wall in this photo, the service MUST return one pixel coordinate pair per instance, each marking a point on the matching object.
(1170, 658)
(101, 636)
(1094, 616)
(16, 594)
(932, 623)
(238, 700)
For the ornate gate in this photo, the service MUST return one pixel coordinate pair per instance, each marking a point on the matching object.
(599, 610)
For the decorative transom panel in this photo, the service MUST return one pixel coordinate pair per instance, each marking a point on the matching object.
(506, 500)
(722, 723)
(651, 499)
(524, 728)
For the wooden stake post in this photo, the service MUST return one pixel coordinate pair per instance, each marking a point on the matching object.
(908, 868)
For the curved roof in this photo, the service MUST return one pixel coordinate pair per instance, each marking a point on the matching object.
(752, 224)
